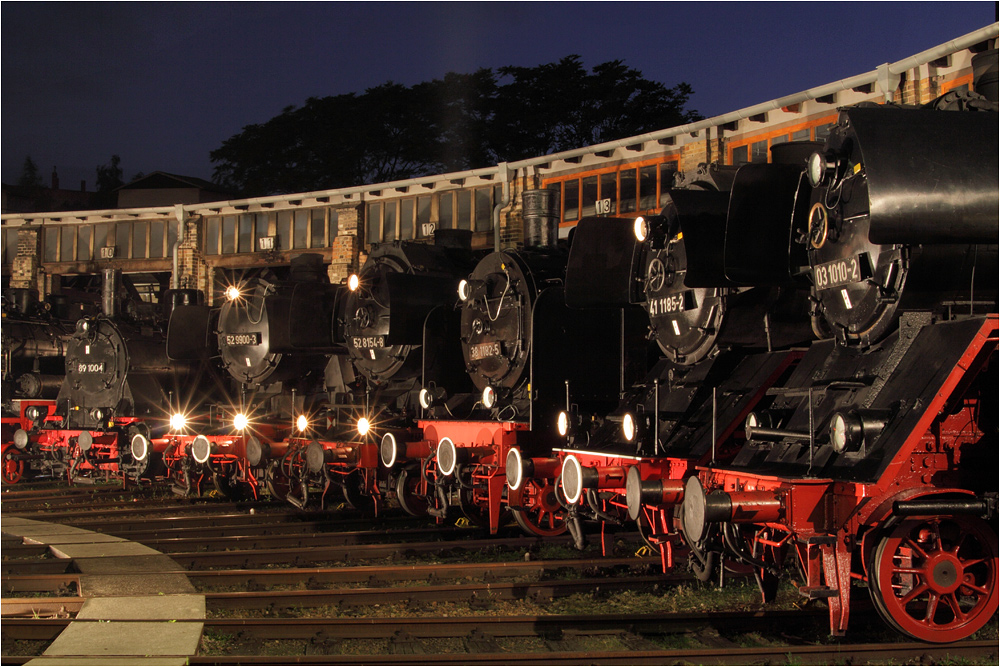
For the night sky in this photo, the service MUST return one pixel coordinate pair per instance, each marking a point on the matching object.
(163, 84)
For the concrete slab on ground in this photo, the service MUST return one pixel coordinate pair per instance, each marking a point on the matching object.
(103, 585)
(70, 538)
(127, 564)
(102, 550)
(144, 608)
(124, 638)
(87, 660)
(27, 528)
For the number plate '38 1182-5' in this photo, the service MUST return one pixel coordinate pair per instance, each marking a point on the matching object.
(841, 272)
(484, 350)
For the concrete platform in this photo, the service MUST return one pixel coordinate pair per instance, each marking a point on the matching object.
(125, 638)
(145, 607)
(128, 617)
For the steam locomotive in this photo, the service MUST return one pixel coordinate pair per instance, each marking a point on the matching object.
(117, 382)
(521, 347)
(868, 463)
(398, 328)
(271, 338)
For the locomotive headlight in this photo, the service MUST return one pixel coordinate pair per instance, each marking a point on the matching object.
(240, 421)
(364, 426)
(847, 431)
(35, 413)
(641, 229)
(464, 290)
(429, 397)
(232, 292)
(489, 397)
(628, 427)
(815, 166)
(819, 169)
(562, 423)
(97, 414)
(302, 423)
(177, 421)
(353, 282)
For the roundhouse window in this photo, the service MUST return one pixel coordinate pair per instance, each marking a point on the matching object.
(83, 243)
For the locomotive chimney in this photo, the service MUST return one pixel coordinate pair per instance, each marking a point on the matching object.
(985, 75)
(453, 238)
(109, 292)
(540, 209)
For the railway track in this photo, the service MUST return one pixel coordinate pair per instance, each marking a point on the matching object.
(439, 607)
(581, 639)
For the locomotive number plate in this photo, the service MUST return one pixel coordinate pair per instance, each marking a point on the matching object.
(368, 342)
(483, 350)
(252, 338)
(674, 303)
(90, 368)
(839, 272)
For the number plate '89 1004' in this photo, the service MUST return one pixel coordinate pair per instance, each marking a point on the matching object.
(841, 272)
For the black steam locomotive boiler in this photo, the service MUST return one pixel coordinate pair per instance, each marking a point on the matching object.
(875, 461)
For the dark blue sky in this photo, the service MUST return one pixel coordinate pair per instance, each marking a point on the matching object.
(163, 84)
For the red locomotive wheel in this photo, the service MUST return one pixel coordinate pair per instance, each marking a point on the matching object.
(540, 513)
(13, 470)
(936, 579)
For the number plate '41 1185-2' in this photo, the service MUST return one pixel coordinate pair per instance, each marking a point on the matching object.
(841, 272)
(674, 303)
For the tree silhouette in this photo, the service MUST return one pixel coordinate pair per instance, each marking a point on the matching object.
(462, 121)
(29, 178)
(109, 179)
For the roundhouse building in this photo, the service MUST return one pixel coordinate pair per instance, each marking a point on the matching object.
(198, 244)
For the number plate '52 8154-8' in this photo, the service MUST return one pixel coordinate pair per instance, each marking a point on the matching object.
(840, 272)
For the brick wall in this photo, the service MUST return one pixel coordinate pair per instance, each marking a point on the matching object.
(26, 265)
(346, 248)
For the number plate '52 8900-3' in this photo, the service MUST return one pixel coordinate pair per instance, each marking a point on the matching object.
(252, 338)
(840, 272)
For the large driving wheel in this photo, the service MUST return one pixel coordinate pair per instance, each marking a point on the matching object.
(275, 480)
(936, 579)
(13, 470)
(407, 487)
(356, 495)
(536, 509)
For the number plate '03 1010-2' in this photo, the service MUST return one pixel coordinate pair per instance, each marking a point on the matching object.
(252, 338)
(840, 272)
(483, 350)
